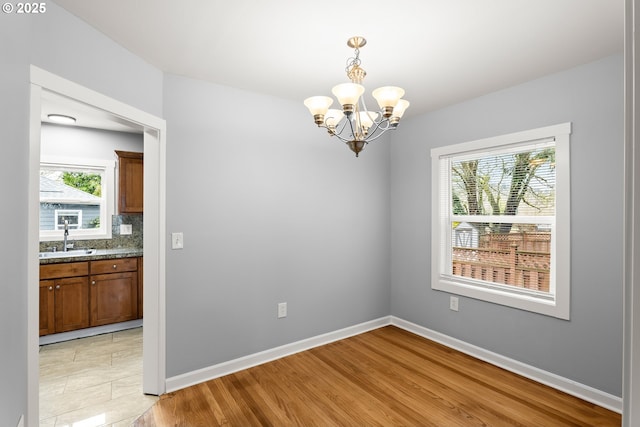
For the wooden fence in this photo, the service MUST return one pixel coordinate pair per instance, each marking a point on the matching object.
(518, 259)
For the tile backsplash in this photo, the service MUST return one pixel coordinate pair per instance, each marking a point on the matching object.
(133, 240)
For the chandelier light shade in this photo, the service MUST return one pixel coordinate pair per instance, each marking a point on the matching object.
(355, 124)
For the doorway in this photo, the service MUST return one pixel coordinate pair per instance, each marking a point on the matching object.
(154, 136)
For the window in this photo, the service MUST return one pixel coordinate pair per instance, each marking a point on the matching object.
(500, 220)
(78, 192)
(73, 219)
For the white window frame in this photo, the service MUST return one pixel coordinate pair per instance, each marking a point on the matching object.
(556, 302)
(66, 212)
(107, 168)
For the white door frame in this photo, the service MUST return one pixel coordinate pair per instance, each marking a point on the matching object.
(631, 351)
(154, 346)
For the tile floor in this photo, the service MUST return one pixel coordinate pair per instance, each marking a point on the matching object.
(94, 381)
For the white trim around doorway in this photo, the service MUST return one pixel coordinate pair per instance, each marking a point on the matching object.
(154, 130)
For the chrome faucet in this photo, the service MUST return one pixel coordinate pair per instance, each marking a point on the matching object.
(66, 235)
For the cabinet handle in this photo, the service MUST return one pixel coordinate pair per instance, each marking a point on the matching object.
(50, 288)
(57, 286)
(93, 282)
(115, 266)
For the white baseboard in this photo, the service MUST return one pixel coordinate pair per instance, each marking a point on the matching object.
(89, 332)
(566, 385)
(205, 374)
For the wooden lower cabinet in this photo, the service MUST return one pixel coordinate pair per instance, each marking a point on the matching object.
(64, 301)
(114, 298)
(47, 307)
(71, 308)
(91, 293)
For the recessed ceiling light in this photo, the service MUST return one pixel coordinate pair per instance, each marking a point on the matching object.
(62, 119)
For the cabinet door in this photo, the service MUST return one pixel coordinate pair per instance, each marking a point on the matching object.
(114, 298)
(71, 303)
(130, 182)
(47, 314)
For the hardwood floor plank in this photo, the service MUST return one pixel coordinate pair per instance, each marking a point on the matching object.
(386, 377)
(451, 391)
(517, 389)
(454, 389)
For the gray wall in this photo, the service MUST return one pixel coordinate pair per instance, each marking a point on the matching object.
(293, 216)
(60, 43)
(14, 133)
(70, 48)
(588, 348)
(69, 141)
(271, 212)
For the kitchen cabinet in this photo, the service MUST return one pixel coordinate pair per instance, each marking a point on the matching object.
(130, 182)
(114, 291)
(64, 297)
(79, 295)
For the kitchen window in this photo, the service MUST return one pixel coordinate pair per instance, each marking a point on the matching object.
(80, 192)
(500, 220)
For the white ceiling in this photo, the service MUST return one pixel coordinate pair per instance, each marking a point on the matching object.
(440, 51)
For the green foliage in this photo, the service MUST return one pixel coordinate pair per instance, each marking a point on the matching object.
(87, 182)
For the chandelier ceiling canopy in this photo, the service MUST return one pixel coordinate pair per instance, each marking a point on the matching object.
(354, 123)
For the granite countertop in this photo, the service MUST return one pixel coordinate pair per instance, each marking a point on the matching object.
(95, 254)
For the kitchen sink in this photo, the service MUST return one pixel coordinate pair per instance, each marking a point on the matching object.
(68, 254)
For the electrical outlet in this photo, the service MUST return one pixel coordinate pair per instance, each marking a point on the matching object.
(177, 241)
(125, 229)
(453, 303)
(282, 310)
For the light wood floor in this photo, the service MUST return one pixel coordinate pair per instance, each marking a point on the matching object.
(387, 377)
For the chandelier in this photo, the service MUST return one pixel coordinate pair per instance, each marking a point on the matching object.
(355, 124)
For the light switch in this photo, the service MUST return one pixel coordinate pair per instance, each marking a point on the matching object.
(125, 229)
(177, 241)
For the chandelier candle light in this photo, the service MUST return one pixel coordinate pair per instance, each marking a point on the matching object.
(355, 124)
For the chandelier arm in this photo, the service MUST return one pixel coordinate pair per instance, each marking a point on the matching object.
(363, 105)
(378, 128)
(338, 133)
(376, 132)
(342, 123)
(372, 136)
(353, 131)
(342, 138)
(378, 135)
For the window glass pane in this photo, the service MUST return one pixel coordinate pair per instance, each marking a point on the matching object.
(488, 188)
(521, 257)
(70, 194)
(511, 183)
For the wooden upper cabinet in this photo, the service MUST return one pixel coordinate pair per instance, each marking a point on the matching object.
(130, 182)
